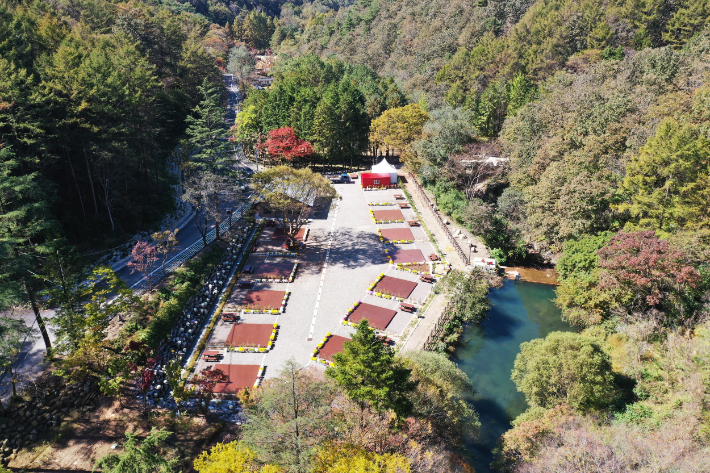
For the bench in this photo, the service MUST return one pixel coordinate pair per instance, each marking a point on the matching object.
(399, 197)
(248, 269)
(434, 257)
(211, 356)
(230, 317)
(413, 223)
(403, 205)
(427, 278)
(407, 307)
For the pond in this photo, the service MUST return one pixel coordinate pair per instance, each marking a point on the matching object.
(520, 311)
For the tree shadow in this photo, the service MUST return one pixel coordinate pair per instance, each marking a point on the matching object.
(354, 248)
(494, 422)
(624, 392)
(498, 325)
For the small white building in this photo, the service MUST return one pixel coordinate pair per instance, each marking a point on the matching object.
(486, 264)
(383, 167)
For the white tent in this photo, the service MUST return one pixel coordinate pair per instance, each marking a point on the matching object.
(386, 168)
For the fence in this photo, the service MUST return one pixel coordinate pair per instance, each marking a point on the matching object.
(462, 254)
(434, 337)
(193, 249)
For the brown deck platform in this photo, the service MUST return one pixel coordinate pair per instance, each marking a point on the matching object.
(378, 317)
(388, 215)
(280, 270)
(263, 300)
(407, 256)
(397, 234)
(395, 287)
(249, 335)
(280, 234)
(240, 377)
(332, 346)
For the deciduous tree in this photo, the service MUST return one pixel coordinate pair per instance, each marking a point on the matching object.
(143, 256)
(564, 367)
(283, 145)
(442, 396)
(164, 242)
(398, 127)
(232, 457)
(646, 273)
(353, 459)
(292, 194)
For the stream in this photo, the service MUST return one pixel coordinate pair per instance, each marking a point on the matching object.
(520, 311)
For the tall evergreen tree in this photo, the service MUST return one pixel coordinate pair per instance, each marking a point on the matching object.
(367, 371)
(213, 164)
(25, 229)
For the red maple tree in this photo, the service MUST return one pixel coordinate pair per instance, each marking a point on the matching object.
(283, 145)
(205, 382)
(144, 256)
(646, 270)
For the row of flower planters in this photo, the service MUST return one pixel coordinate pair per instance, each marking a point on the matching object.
(282, 253)
(382, 239)
(316, 352)
(379, 188)
(280, 310)
(188, 326)
(378, 204)
(258, 349)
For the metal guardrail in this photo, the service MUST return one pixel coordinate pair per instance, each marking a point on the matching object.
(177, 260)
(462, 254)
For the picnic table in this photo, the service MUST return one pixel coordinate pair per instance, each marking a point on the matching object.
(413, 223)
(211, 355)
(399, 197)
(407, 307)
(434, 257)
(403, 205)
(248, 269)
(427, 278)
(230, 317)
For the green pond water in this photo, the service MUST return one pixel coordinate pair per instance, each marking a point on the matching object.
(520, 312)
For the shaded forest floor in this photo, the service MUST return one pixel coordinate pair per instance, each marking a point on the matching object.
(92, 432)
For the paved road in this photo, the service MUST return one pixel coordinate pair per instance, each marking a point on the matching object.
(189, 234)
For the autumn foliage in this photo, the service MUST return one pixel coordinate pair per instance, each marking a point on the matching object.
(646, 270)
(284, 146)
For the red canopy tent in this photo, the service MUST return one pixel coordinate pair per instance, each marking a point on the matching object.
(374, 179)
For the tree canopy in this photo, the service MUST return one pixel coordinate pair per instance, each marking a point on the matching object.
(368, 372)
(292, 194)
(566, 368)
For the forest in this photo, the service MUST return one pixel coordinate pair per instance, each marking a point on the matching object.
(600, 109)
(595, 112)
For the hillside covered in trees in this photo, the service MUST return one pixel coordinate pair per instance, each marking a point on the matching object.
(597, 117)
(600, 109)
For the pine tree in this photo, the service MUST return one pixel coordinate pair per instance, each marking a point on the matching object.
(212, 164)
(367, 371)
(25, 227)
(669, 181)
